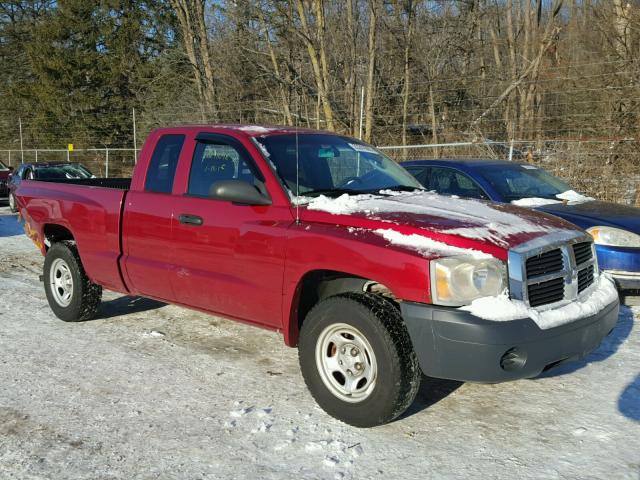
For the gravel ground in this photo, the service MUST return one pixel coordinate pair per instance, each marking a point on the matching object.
(151, 391)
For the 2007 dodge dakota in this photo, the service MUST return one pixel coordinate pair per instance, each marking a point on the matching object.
(325, 239)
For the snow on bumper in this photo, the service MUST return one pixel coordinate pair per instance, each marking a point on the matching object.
(501, 308)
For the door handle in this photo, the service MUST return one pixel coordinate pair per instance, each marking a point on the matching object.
(190, 219)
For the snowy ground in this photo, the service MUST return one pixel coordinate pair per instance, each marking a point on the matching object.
(150, 391)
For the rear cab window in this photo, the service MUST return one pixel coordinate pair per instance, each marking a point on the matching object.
(164, 161)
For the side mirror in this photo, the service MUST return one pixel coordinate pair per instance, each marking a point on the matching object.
(238, 191)
(10, 169)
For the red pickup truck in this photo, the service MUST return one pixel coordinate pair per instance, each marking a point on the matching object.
(323, 238)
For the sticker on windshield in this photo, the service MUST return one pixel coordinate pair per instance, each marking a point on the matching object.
(529, 167)
(362, 148)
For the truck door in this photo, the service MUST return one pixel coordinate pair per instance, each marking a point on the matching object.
(229, 258)
(147, 224)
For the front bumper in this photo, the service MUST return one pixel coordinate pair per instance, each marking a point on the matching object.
(457, 345)
(622, 263)
(625, 280)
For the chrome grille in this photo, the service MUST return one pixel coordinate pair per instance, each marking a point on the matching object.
(585, 278)
(552, 269)
(545, 263)
(550, 291)
(582, 252)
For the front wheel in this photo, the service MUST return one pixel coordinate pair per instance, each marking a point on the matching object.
(357, 359)
(71, 295)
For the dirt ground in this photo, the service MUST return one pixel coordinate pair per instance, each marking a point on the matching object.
(152, 391)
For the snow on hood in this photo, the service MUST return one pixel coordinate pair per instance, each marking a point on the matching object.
(426, 246)
(430, 212)
(534, 202)
(570, 196)
(503, 309)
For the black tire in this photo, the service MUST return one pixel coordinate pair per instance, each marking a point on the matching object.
(12, 203)
(85, 297)
(398, 372)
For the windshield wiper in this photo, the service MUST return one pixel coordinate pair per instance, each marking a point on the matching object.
(330, 192)
(402, 188)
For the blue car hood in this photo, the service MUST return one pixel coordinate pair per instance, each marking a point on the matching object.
(589, 214)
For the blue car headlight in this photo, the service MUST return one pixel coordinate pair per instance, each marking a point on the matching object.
(614, 237)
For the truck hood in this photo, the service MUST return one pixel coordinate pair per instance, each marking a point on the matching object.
(4, 174)
(594, 213)
(461, 223)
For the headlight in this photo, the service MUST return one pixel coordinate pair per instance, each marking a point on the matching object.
(615, 237)
(457, 281)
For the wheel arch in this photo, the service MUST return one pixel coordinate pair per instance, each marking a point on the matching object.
(53, 233)
(316, 285)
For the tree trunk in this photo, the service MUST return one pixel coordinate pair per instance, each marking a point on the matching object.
(407, 73)
(621, 23)
(190, 15)
(373, 27)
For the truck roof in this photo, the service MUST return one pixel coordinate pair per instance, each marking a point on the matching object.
(249, 130)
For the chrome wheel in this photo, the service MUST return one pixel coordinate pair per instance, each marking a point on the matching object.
(12, 202)
(61, 282)
(346, 362)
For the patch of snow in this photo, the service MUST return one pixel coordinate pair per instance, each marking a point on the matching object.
(574, 197)
(426, 246)
(570, 196)
(344, 204)
(254, 129)
(154, 333)
(241, 412)
(534, 202)
(331, 461)
(502, 309)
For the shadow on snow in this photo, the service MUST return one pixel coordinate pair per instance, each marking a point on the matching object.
(9, 226)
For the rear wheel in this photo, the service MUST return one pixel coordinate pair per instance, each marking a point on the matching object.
(12, 203)
(357, 359)
(70, 293)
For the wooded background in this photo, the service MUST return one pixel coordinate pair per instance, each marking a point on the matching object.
(562, 78)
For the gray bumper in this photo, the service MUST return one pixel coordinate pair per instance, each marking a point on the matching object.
(626, 280)
(456, 345)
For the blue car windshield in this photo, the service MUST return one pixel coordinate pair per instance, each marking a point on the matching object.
(315, 164)
(514, 182)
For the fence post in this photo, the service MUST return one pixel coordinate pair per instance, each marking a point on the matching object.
(36, 155)
(106, 163)
(21, 145)
(9, 157)
(511, 151)
(135, 140)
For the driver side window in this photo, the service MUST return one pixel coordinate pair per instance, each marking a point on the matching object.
(214, 162)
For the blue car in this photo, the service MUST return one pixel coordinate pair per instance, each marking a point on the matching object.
(615, 228)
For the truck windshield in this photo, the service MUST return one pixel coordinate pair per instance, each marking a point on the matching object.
(523, 181)
(314, 164)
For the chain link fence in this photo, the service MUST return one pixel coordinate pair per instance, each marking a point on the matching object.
(102, 162)
(604, 169)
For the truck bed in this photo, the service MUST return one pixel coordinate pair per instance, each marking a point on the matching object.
(90, 208)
